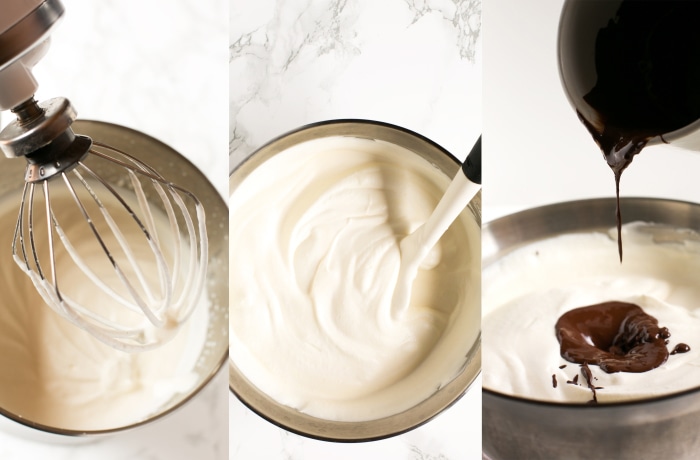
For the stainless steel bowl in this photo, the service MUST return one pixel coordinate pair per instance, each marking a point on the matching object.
(178, 169)
(513, 427)
(303, 424)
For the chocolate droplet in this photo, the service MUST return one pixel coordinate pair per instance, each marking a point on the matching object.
(680, 348)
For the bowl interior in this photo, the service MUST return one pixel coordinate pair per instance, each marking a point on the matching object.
(298, 422)
(179, 170)
(501, 236)
(515, 426)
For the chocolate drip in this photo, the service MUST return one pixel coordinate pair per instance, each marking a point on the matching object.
(554, 380)
(588, 375)
(680, 348)
(617, 336)
(619, 147)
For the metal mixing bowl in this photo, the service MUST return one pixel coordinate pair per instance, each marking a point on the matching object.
(178, 169)
(661, 427)
(306, 425)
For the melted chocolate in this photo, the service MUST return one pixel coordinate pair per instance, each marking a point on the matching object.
(617, 336)
(647, 62)
(588, 375)
(554, 380)
(681, 348)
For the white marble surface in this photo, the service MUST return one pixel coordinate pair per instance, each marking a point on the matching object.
(157, 66)
(413, 63)
(160, 67)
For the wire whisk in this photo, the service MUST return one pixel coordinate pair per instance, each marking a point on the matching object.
(108, 242)
(114, 247)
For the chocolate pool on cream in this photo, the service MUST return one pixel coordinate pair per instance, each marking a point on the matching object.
(534, 295)
(314, 258)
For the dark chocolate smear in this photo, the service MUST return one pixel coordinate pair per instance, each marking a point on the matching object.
(617, 336)
(554, 380)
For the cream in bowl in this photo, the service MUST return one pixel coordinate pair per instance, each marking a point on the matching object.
(528, 291)
(542, 267)
(62, 376)
(314, 239)
(60, 380)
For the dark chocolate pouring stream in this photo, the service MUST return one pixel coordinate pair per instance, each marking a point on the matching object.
(647, 61)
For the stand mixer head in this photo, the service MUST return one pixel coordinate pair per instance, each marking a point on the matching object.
(123, 257)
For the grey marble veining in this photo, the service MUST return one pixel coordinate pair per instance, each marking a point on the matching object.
(465, 17)
(290, 62)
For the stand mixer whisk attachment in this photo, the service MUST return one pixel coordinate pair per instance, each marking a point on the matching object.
(107, 242)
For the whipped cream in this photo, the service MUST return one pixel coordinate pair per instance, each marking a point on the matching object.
(314, 259)
(59, 375)
(527, 291)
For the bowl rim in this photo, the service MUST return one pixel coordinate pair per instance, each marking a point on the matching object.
(344, 427)
(346, 432)
(338, 122)
(528, 213)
